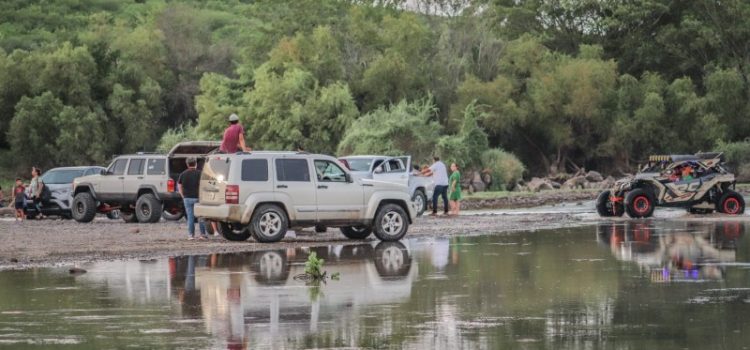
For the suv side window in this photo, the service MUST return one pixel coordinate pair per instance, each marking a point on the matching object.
(255, 170)
(292, 170)
(118, 167)
(136, 166)
(395, 166)
(328, 171)
(156, 167)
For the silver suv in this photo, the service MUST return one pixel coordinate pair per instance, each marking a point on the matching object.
(265, 193)
(142, 186)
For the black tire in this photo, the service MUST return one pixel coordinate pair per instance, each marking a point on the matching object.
(639, 203)
(418, 197)
(731, 203)
(320, 229)
(356, 232)
(392, 260)
(128, 216)
(84, 207)
(391, 223)
(148, 209)
(234, 232)
(113, 214)
(174, 215)
(607, 208)
(269, 223)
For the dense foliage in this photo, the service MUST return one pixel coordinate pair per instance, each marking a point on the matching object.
(560, 84)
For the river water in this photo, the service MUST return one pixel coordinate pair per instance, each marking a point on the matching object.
(619, 285)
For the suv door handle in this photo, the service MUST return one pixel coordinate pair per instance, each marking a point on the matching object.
(121, 177)
(368, 185)
(281, 186)
(322, 186)
(140, 177)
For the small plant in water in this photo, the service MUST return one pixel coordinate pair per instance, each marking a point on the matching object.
(314, 273)
(314, 267)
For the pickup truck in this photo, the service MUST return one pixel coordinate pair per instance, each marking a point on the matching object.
(393, 169)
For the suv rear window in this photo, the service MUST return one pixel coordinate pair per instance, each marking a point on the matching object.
(292, 170)
(156, 167)
(216, 167)
(136, 167)
(255, 170)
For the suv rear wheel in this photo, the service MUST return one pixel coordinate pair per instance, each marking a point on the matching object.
(731, 203)
(84, 207)
(269, 224)
(391, 223)
(148, 209)
(356, 232)
(234, 232)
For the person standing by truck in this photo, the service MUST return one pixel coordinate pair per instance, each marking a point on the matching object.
(37, 187)
(440, 176)
(234, 137)
(455, 189)
(189, 184)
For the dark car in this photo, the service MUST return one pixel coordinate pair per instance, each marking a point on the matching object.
(60, 183)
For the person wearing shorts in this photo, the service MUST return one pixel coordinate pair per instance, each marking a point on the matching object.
(19, 200)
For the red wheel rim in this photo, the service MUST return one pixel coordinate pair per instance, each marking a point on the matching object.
(731, 205)
(641, 204)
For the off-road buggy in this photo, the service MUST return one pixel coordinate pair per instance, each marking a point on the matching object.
(696, 182)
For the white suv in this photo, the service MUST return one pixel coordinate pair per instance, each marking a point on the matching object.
(265, 193)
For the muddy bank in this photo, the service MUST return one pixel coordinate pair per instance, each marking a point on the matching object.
(528, 200)
(57, 242)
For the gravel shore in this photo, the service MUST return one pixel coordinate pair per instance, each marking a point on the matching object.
(54, 242)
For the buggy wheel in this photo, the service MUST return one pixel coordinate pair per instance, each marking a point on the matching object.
(639, 204)
(606, 207)
(731, 203)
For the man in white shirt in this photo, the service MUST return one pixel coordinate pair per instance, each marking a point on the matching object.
(440, 177)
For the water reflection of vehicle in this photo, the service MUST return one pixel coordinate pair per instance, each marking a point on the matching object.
(678, 252)
(240, 294)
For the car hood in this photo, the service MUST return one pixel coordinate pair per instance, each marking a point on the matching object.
(89, 178)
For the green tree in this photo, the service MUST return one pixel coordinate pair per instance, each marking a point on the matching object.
(32, 133)
(403, 128)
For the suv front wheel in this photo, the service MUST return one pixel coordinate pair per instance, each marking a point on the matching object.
(148, 209)
(391, 223)
(269, 224)
(84, 207)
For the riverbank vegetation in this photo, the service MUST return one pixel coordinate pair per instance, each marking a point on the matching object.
(552, 85)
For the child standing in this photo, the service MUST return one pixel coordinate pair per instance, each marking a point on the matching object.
(19, 199)
(455, 189)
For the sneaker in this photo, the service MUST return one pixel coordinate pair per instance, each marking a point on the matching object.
(433, 214)
(203, 238)
(191, 238)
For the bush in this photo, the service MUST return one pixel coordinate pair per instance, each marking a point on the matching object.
(737, 158)
(504, 167)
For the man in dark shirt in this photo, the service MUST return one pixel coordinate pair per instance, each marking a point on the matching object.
(189, 184)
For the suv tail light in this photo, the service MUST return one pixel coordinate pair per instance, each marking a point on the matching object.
(170, 185)
(232, 194)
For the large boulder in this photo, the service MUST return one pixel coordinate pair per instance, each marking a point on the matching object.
(575, 182)
(477, 183)
(594, 176)
(536, 184)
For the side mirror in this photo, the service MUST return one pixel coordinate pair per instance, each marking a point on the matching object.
(103, 172)
(348, 177)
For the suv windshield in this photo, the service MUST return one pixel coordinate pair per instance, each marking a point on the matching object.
(359, 164)
(61, 176)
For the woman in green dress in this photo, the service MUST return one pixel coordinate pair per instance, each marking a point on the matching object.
(455, 190)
